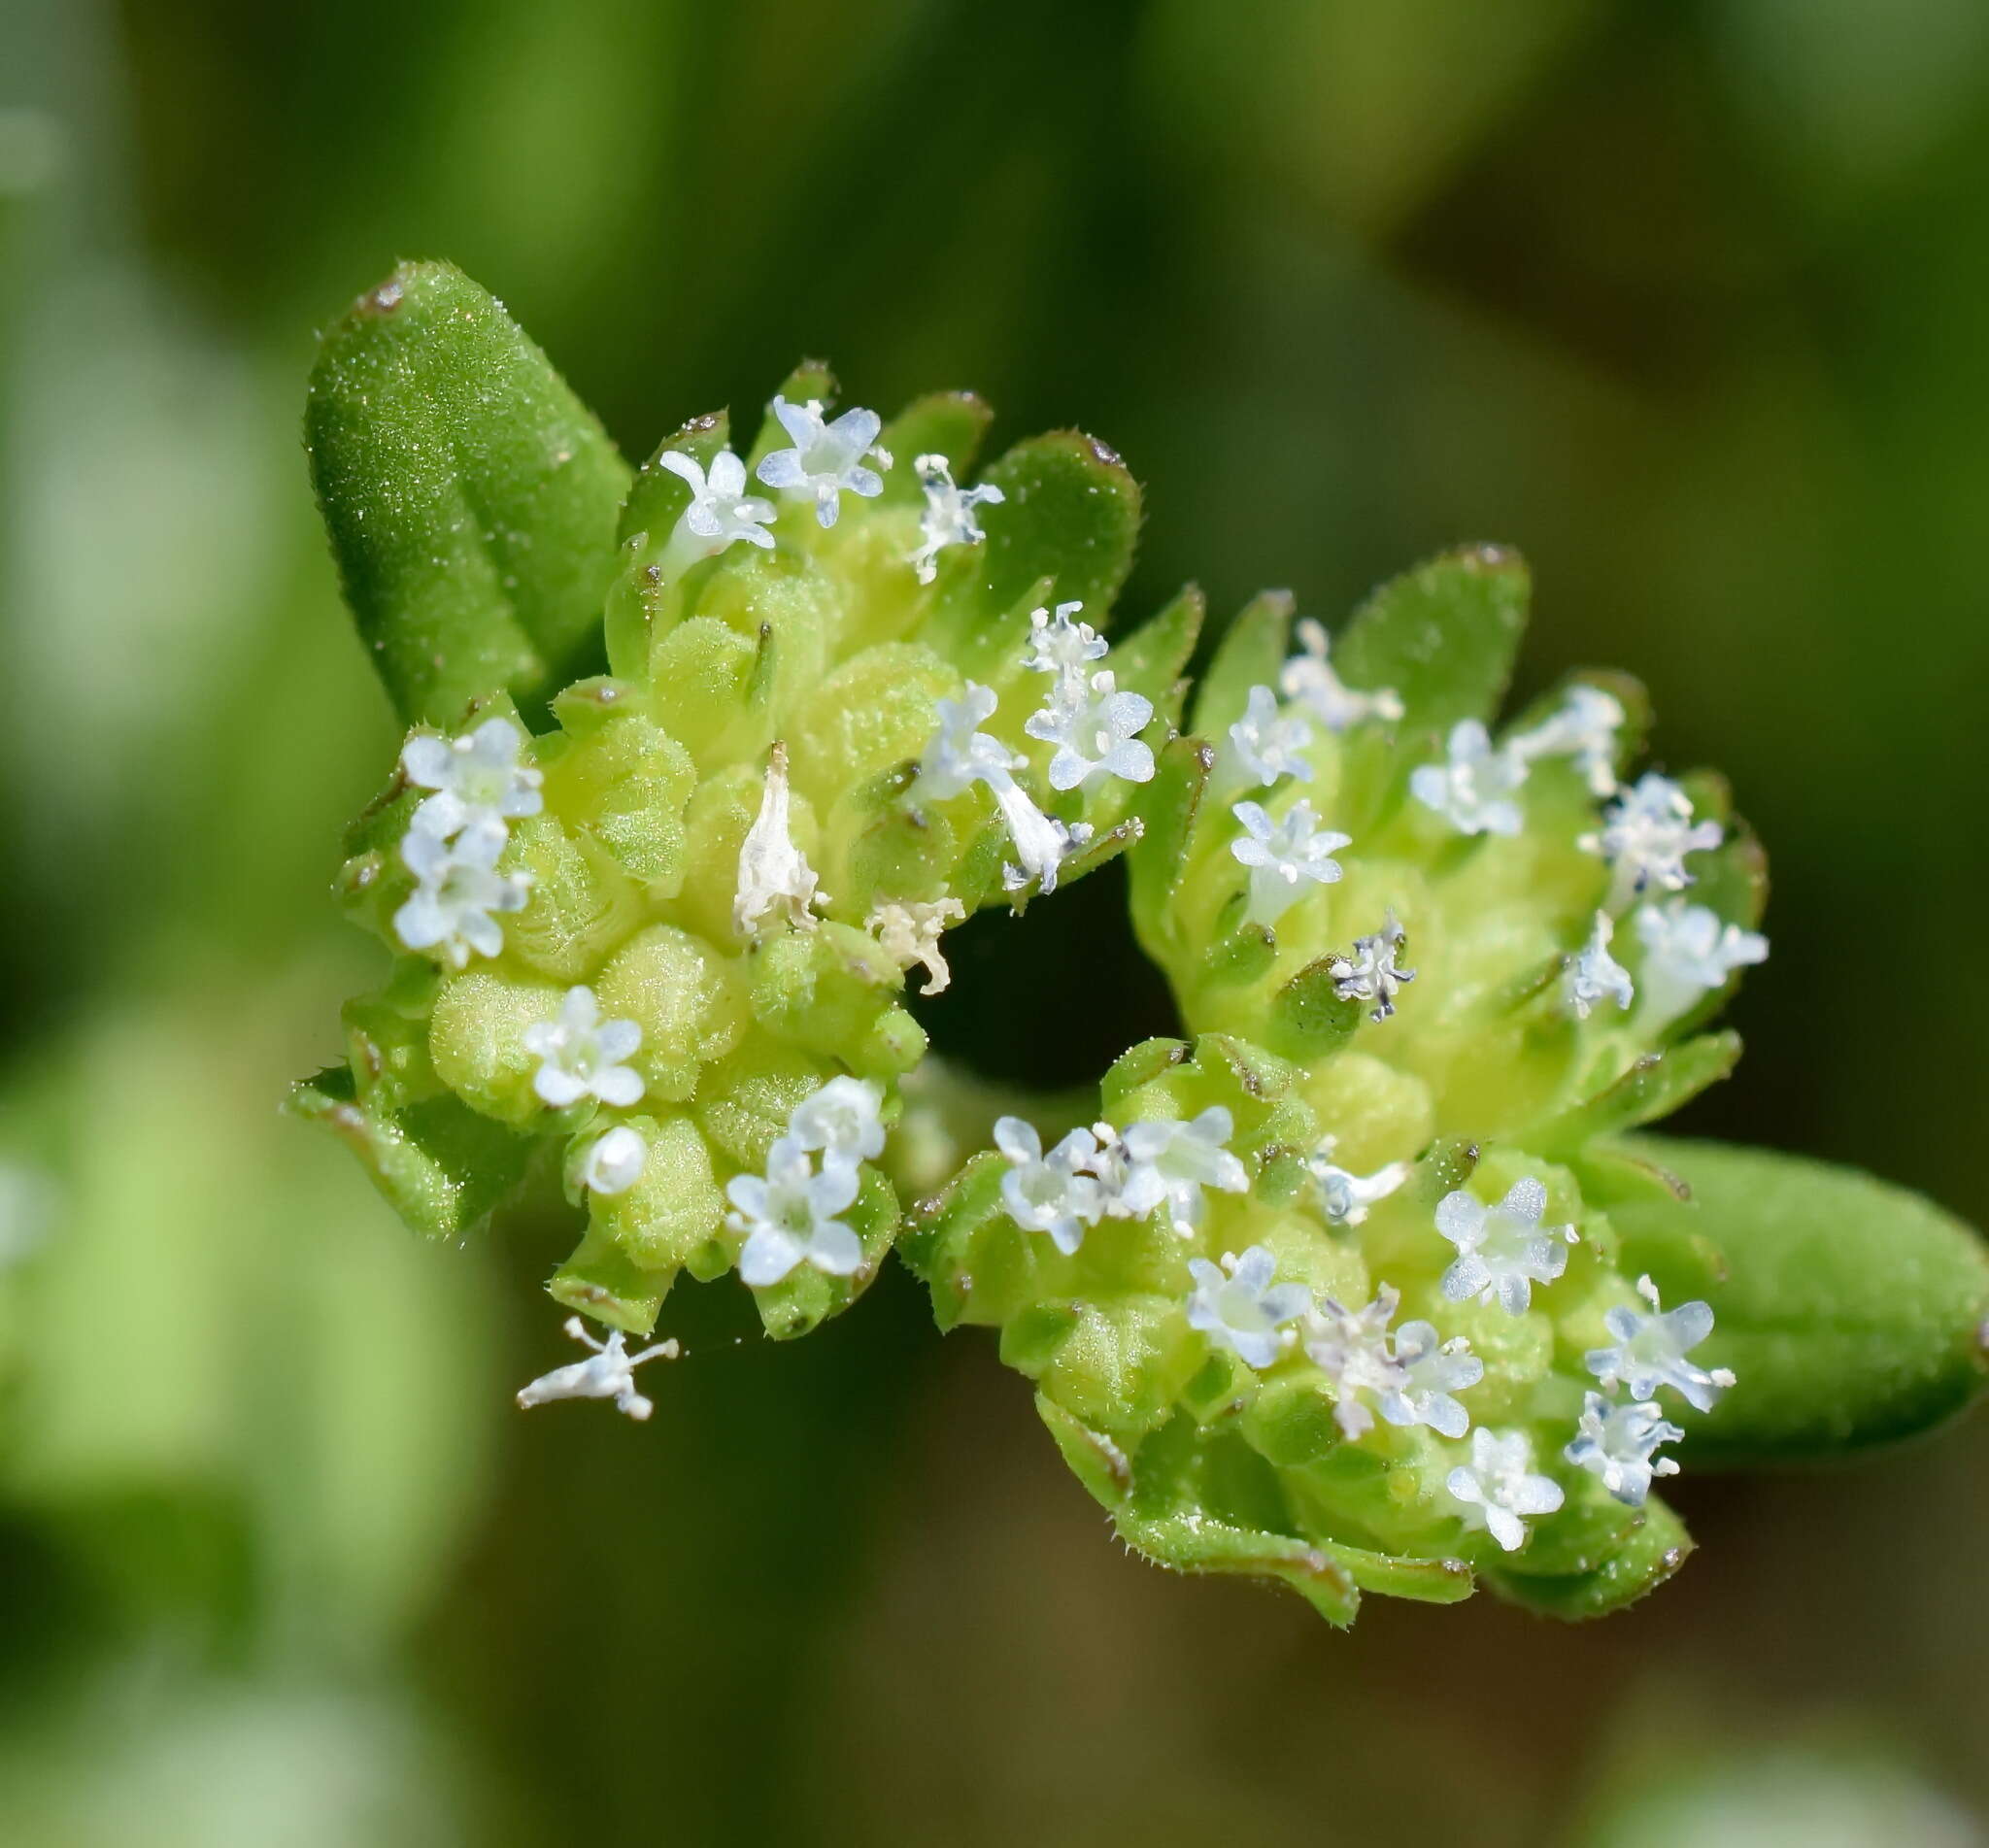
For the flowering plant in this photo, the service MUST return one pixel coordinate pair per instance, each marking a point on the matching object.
(1361, 1283)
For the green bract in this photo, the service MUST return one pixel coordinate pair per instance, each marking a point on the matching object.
(1368, 1283)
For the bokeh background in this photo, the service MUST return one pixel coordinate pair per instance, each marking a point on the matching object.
(1689, 301)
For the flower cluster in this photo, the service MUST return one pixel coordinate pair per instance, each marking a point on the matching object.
(1371, 1314)
(642, 939)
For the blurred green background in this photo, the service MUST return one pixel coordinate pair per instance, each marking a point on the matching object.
(1689, 301)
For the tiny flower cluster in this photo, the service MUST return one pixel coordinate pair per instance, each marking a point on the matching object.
(1106, 1174)
(456, 836)
(1091, 726)
(791, 1214)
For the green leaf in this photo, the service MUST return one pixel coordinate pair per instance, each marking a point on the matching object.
(1443, 636)
(1150, 660)
(1657, 1546)
(1070, 512)
(444, 1167)
(948, 423)
(1159, 858)
(1251, 653)
(1853, 1311)
(1308, 1018)
(1654, 1086)
(470, 497)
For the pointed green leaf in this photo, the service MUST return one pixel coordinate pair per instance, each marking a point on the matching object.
(1308, 1016)
(1443, 636)
(1251, 653)
(1853, 1311)
(1070, 513)
(1657, 1546)
(1169, 806)
(1658, 1084)
(470, 497)
(948, 423)
(1151, 659)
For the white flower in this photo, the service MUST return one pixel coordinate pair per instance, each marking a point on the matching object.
(608, 1373)
(479, 785)
(1268, 748)
(910, 932)
(614, 1163)
(827, 458)
(789, 1216)
(1170, 1162)
(1051, 1193)
(1345, 1197)
(1351, 1347)
(1041, 842)
(1498, 1490)
(1583, 730)
(1433, 1371)
(1650, 1350)
(1688, 950)
(1474, 789)
(1283, 856)
(775, 879)
(581, 1054)
(1309, 679)
(1372, 973)
(843, 1120)
(720, 510)
(1239, 1306)
(1615, 1442)
(1647, 832)
(1594, 976)
(1501, 1252)
(1094, 734)
(1063, 647)
(457, 890)
(960, 754)
(948, 516)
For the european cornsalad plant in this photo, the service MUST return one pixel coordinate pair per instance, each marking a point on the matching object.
(1370, 1282)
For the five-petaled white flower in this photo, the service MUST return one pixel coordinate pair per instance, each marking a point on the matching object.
(1474, 789)
(609, 1373)
(1284, 856)
(479, 785)
(948, 518)
(1583, 730)
(1094, 731)
(1170, 1162)
(1309, 678)
(775, 879)
(1053, 1192)
(843, 1119)
(1351, 1347)
(1434, 1372)
(458, 894)
(1689, 950)
(1497, 1489)
(789, 1216)
(1061, 646)
(1041, 842)
(1268, 748)
(1650, 1350)
(1346, 1197)
(1645, 835)
(1372, 973)
(1594, 976)
(1502, 1250)
(614, 1162)
(1239, 1306)
(1615, 1442)
(579, 1054)
(959, 754)
(827, 458)
(721, 511)
(909, 933)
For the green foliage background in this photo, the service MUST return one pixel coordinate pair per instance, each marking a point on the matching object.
(1687, 301)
